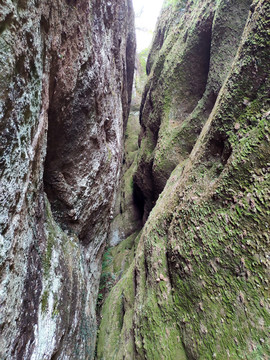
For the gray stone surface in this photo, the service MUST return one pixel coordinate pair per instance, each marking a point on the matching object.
(65, 86)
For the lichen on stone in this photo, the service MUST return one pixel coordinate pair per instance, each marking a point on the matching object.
(201, 270)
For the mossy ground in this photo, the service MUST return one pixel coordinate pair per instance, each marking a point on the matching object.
(115, 304)
(116, 261)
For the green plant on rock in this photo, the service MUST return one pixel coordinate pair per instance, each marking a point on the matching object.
(175, 3)
(44, 301)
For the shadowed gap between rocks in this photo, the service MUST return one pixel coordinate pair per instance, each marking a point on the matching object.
(138, 199)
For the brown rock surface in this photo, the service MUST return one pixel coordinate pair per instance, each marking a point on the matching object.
(66, 70)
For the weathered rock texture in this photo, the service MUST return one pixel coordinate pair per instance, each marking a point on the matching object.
(127, 215)
(66, 71)
(128, 211)
(193, 49)
(198, 287)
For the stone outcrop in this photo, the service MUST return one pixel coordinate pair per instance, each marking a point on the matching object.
(198, 285)
(65, 90)
(193, 49)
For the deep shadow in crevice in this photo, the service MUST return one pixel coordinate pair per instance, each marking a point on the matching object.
(198, 60)
(138, 199)
(220, 147)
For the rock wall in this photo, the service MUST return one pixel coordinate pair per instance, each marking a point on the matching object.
(199, 283)
(65, 89)
(193, 49)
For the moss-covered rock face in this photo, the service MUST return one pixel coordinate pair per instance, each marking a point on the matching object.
(127, 217)
(199, 285)
(128, 210)
(193, 48)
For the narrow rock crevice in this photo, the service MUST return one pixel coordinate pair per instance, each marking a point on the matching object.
(138, 199)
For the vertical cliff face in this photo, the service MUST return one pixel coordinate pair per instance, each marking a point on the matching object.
(193, 48)
(65, 89)
(199, 283)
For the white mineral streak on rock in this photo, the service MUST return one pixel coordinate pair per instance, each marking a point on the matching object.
(47, 320)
